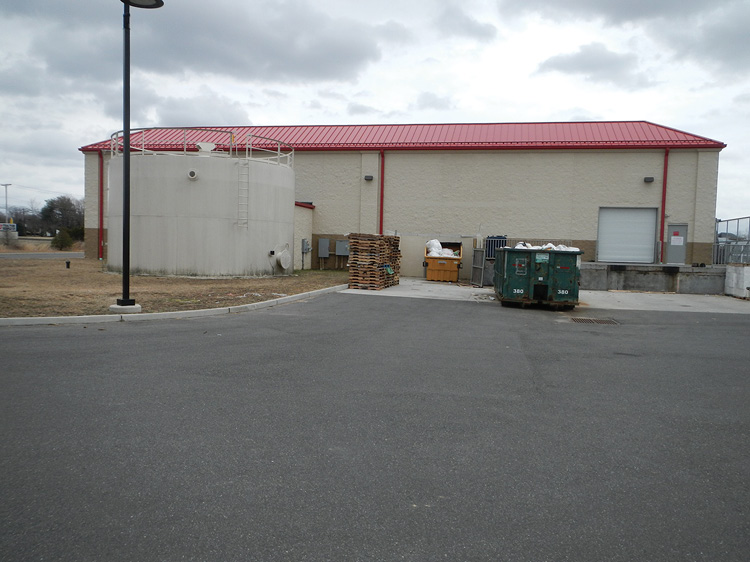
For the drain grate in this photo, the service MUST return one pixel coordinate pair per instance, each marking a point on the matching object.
(607, 321)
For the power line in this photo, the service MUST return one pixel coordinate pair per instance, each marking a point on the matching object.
(40, 189)
(18, 198)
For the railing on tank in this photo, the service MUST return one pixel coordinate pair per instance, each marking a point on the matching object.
(283, 153)
(222, 144)
(732, 243)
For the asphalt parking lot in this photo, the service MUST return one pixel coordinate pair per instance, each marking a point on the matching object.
(356, 426)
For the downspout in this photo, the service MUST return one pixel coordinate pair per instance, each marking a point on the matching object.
(101, 206)
(663, 205)
(382, 189)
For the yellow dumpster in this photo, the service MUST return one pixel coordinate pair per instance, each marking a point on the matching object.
(444, 268)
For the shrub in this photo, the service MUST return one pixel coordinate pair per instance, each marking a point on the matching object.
(77, 233)
(62, 241)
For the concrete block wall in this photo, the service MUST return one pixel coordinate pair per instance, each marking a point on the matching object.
(738, 280)
(656, 278)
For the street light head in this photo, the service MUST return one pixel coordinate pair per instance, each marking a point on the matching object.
(144, 3)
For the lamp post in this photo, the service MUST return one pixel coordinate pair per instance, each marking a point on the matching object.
(126, 300)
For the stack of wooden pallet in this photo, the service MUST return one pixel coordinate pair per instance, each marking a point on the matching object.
(374, 261)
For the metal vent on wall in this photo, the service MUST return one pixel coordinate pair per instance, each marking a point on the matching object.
(607, 321)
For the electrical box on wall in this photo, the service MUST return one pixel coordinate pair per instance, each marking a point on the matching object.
(342, 247)
(306, 246)
(323, 247)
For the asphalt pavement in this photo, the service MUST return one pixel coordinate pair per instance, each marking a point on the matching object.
(367, 426)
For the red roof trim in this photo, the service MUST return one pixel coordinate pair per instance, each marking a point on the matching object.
(305, 205)
(457, 136)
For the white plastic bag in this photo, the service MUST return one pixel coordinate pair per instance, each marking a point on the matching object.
(434, 249)
(434, 245)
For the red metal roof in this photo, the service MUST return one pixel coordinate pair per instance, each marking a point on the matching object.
(451, 136)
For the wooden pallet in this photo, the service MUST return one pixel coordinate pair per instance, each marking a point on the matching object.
(369, 256)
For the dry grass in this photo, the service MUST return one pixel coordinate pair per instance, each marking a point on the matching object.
(46, 287)
(32, 244)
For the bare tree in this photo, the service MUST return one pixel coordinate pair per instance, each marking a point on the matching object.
(27, 219)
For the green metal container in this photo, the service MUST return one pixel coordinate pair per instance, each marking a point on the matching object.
(547, 277)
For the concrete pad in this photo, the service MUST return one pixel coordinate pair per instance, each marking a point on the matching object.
(54, 320)
(176, 314)
(125, 309)
(670, 302)
(423, 289)
(609, 300)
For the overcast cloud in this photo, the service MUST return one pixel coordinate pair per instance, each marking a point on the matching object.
(616, 11)
(596, 63)
(680, 63)
(453, 21)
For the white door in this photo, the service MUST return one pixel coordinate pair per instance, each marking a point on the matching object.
(626, 235)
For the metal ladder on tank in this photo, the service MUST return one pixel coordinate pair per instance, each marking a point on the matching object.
(243, 194)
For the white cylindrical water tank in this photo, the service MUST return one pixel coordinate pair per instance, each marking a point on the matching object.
(203, 216)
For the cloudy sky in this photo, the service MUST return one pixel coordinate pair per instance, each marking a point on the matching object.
(680, 63)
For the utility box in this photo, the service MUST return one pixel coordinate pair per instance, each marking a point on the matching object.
(444, 268)
(548, 277)
(342, 247)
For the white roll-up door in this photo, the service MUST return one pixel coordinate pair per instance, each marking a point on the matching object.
(626, 235)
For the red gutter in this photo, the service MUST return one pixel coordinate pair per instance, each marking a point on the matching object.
(100, 237)
(663, 205)
(382, 189)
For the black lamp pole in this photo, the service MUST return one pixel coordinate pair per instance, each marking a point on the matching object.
(126, 300)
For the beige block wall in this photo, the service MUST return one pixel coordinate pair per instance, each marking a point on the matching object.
(691, 192)
(91, 202)
(704, 227)
(459, 195)
(543, 194)
(691, 200)
(334, 182)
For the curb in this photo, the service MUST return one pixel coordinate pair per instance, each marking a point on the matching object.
(139, 317)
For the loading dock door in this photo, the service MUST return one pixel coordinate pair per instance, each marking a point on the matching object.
(626, 235)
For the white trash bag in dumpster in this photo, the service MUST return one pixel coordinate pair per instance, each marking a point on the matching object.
(435, 250)
(548, 246)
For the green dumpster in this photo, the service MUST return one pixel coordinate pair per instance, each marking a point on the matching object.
(548, 277)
